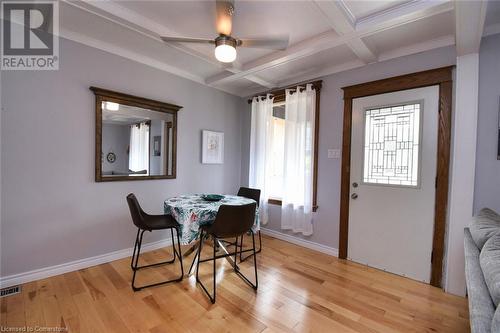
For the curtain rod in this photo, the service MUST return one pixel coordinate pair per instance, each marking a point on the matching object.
(281, 91)
(292, 90)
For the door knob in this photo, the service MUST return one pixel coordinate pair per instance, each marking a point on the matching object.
(354, 184)
(354, 196)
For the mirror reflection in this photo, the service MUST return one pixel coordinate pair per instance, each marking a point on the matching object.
(135, 141)
(135, 137)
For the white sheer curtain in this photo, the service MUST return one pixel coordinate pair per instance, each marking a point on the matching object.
(260, 150)
(138, 159)
(296, 210)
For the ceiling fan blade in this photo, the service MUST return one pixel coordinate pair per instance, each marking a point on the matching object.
(224, 16)
(265, 43)
(186, 40)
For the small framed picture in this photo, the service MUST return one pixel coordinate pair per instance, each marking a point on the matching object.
(212, 151)
(157, 145)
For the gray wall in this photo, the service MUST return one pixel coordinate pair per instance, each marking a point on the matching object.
(53, 211)
(487, 181)
(116, 139)
(326, 220)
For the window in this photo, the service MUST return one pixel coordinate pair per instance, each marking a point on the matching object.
(392, 145)
(278, 150)
(268, 168)
(138, 160)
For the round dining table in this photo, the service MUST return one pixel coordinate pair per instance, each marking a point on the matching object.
(192, 211)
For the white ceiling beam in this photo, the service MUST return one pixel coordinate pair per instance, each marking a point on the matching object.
(418, 48)
(469, 25)
(132, 20)
(402, 14)
(348, 13)
(400, 52)
(412, 12)
(322, 72)
(361, 50)
(339, 18)
(126, 53)
(302, 49)
(261, 81)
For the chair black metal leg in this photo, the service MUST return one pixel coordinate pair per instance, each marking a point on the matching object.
(215, 265)
(241, 247)
(180, 253)
(135, 248)
(258, 251)
(135, 266)
(198, 252)
(174, 250)
(194, 259)
(212, 299)
(236, 253)
(225, 255)
(254, 254)
(260, 243)
(255, 259)
(158, 263)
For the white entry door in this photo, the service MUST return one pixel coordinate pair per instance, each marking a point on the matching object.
(393, 181)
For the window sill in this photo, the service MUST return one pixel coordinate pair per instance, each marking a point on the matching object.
(278, 202)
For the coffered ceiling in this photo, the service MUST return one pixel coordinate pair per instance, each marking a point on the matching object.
(326, 36)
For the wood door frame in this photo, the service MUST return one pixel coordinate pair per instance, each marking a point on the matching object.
(441, 77)
(167, 128)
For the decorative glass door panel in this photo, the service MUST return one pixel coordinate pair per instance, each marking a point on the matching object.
(392, 144)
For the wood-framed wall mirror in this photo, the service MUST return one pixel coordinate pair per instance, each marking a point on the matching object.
(135, 137)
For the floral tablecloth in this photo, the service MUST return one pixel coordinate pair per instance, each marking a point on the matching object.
(191, 211)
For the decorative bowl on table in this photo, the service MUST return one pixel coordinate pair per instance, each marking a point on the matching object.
(212, 197)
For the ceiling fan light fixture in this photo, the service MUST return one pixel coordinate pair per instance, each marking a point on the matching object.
(225, 49)
(225, 53)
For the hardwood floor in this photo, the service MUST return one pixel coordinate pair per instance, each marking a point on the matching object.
(300, 290)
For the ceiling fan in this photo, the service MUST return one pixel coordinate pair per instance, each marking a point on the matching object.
(225, 44)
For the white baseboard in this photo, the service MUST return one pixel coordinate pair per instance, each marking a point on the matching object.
(42, 273)
(301, 242)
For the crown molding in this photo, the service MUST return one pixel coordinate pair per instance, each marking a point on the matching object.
(492, 29)
(418, 48)
(469, 26)
(137, 57)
